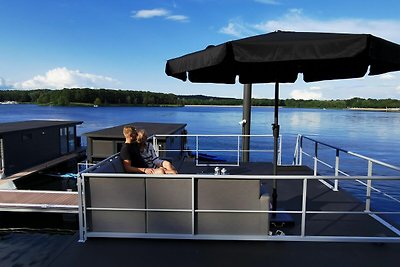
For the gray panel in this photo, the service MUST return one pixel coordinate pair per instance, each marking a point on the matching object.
(228, 194)
(214, 194)
(169, 194)
(117, 193)
(117, 221)
(230, 223)
(169, 222)
(102, 148)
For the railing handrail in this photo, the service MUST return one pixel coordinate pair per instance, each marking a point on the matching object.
(238, 149)
(299, 152)
(352, 153)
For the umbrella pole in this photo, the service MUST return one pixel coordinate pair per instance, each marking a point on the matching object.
(275, 130)
(246, 122)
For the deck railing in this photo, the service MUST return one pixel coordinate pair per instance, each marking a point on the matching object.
(392, 234)
(316, 146)
(198, 145)
(303, 211)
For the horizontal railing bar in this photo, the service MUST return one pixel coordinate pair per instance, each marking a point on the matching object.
(355, 154)
(213, 135)
(206, 150)
(236, 177)
(39, 192)
(245, 211)
(133, 209)
(42, 206)
(265, 237)
(353, 212)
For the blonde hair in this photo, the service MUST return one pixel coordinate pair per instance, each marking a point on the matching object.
(141, 138)
(129, 130)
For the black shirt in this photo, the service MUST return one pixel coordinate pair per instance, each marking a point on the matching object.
(131, 152)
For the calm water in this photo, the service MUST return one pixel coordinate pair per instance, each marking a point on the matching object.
(373, 134)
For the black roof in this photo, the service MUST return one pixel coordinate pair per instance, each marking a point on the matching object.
(9, 127)
(150, 127)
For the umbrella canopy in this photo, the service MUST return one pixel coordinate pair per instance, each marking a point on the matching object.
(280, 56)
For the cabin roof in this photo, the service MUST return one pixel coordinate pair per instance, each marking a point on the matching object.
(9, 127)
(150, 127)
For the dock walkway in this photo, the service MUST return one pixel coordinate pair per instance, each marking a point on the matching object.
(38, 201)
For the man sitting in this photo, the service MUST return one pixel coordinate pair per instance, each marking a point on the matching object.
(130, 154)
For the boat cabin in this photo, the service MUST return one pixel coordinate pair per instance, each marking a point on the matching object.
(106, 142)
(25, 144)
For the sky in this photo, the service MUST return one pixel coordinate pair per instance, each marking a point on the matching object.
(124, 44)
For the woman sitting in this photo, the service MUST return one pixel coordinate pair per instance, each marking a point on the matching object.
(149, 155)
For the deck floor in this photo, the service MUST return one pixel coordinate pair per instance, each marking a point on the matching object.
(62, 251)
(319, 198)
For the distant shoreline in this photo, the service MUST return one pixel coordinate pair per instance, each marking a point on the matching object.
(376, 109)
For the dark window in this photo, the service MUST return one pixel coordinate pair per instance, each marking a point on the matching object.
(71, 138)
(26, 137)
(63, 141)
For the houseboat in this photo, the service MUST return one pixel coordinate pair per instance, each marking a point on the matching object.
(27, 147)
(106, 142)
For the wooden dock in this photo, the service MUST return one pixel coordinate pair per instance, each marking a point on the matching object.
(39, 201)
(10, 181)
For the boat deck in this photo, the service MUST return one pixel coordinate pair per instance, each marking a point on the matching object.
(65, 250)
(319, 198)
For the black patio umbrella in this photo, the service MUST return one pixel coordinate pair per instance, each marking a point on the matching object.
(278, 57)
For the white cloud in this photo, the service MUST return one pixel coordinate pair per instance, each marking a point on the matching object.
(315, 88)
(231, 29)
(150, 13)
(268, 2)
(178, 18)
(59, 78)
(387, 76)
(4, 84)
(296, 20)
(398, 89)
(237, 29)
(306, 94)
(158, 12)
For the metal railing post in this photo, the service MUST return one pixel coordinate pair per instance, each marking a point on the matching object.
(197, 150)
(316, 159)
(369, 186)
(336, 185)
(155, 145)
(81, 208)
(301, 151)
(238, 152)
(193, 207)
(280, 151)
(304, 208)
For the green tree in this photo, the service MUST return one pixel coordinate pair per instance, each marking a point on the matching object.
(97, 101)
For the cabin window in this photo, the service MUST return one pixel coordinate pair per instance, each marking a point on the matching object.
(67, 139)
(71, 138)
(26, 137)
(63, 141)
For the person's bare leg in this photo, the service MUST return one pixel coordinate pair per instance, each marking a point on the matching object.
(169, 168)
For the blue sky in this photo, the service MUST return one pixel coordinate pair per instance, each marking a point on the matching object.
(124, 44)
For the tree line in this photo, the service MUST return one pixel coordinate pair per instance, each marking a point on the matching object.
(66, 97)
(86, 96)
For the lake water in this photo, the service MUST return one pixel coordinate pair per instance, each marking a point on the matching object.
(373, 134)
